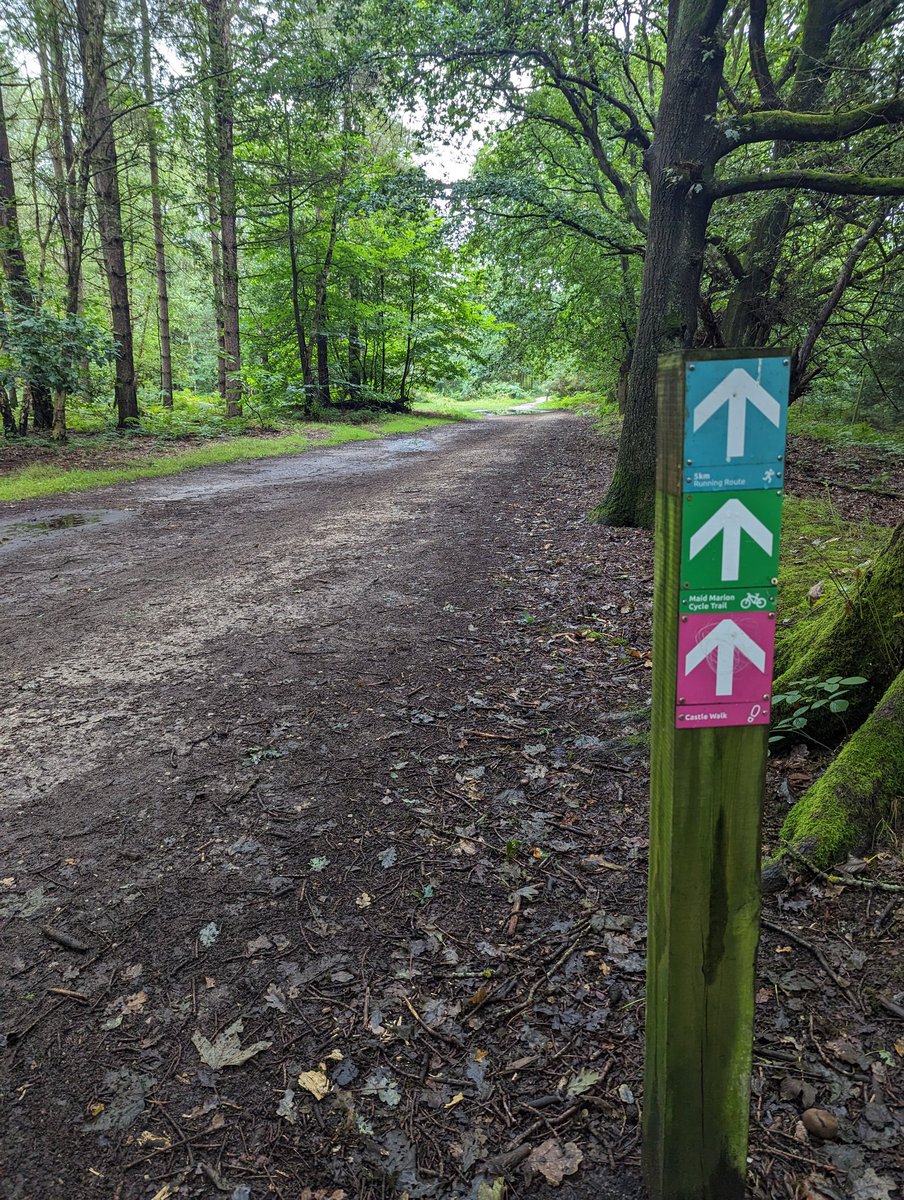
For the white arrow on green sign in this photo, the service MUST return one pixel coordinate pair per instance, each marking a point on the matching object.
(731, 520)
(731, 540)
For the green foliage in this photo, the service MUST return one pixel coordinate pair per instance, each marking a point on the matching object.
(859, 794)
(38, 345)
(807, 696)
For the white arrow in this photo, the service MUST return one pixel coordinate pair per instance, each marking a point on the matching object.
(736, 390)
(730, 520)
(725, 639)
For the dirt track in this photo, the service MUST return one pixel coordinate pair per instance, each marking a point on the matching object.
(220, 680)
(349, 748)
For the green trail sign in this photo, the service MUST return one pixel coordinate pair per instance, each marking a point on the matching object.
(721, 461)
(730, 540)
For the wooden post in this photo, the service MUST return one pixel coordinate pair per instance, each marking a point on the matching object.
(720, 473)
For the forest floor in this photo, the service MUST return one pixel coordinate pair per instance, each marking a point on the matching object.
(323, 845)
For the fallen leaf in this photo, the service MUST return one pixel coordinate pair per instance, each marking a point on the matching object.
(364, 900)
(821, 1122)
(456, 1099)
(554, 1161)
(381, 1084)
(126, 1090)
(157, 1141)
(387, 857)
(315, 1082)
(319, 862)
(870, 1186)
(209, 934)
(286, 1107)
(274, 998)
(492, 1191)
(816, 592)
(582, 1082)
(226, 1050)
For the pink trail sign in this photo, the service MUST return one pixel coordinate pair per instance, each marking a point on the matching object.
(724, 669)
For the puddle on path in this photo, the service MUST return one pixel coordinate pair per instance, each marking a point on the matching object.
(410, 445)
(332, 462)
(18, 530)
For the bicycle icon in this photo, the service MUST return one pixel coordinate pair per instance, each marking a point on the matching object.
(753, 600)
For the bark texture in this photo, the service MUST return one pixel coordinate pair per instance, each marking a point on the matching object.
(218, 26)
(12, 258)
(101, 150)
(163, 322)
(680, 166)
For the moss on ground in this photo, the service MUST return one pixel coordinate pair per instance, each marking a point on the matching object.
(819, 547)
(862, 790)
(857, 631)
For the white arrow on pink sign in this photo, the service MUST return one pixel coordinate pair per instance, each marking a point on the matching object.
(725, 668)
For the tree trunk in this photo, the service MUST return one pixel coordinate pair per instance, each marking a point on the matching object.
(857, 634)
(323, 366)
(409, 344)
(12, 257)
(859, 793)
(102, 153)
(748, 316)
(71, 176)
(680, 166)
(355, 350)
(218, 23)
(6, 411)
(216, 267)
(318, 345)
(59, 415)
(163, 322)
(303, 356)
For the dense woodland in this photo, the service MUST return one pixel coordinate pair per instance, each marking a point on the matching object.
(230, 201)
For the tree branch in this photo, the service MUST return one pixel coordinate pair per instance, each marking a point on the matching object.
(804, 352)
(813, 181)
(759, 63)
(784, 126)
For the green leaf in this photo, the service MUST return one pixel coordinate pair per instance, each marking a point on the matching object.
(853, 681)
(838, 706)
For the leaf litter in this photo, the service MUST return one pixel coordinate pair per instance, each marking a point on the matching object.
(492, 810)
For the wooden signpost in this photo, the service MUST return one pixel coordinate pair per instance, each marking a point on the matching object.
(721, 462)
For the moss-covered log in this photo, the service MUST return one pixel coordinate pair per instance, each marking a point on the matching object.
(861, 793)
(861, 633)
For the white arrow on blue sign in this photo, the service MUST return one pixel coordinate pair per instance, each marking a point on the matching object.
(737, 390)
(736, 416)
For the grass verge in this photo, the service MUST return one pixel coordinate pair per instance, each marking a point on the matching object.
(32, 482)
